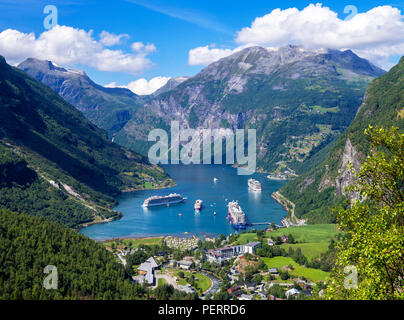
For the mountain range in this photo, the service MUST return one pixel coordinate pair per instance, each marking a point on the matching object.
(298, 100)
(55, 163)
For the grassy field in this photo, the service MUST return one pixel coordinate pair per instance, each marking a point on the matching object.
(134, 243)
(203, 281)
(310, 250)
(246, 237)
(299, 271)
(313, 233)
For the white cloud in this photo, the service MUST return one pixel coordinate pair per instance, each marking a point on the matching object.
(202, 56)
(139, 46)
(69, 46)
(110, 39)
(376, 34)
(143, 86)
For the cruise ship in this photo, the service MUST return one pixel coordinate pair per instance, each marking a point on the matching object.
(163, 200)
(254, 185)
(198, 205)
(237, 215)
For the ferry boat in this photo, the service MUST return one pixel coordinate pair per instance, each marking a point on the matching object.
(198, 205)
(237, 216)
(163, 200)
(254, 185)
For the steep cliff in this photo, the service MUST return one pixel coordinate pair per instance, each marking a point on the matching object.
(323, 188)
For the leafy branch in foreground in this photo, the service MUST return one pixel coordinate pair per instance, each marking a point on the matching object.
(373, 225)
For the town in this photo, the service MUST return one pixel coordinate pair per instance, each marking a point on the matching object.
(254, 265)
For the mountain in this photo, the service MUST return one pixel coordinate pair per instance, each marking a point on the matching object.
(108, 108)
(298, 100)
(170, 85)
(55, 163)
(322, 188)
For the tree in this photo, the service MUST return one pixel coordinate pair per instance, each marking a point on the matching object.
(373, 224)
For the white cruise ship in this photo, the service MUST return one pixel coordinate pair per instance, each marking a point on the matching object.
(254, 185)
(163, 200)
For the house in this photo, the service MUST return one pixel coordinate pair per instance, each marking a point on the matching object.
(146, 269)
(273, 271)
(292, 292)
(270, 242)
(233, 289)
(284, 238)
(185, 264)
(250, 286)
(251, 247)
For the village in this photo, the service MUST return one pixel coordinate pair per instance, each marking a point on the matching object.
(222, 267)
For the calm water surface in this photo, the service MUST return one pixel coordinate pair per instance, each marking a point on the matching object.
(193, 182)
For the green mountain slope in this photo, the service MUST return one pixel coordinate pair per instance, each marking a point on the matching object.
(63, 156)
(321, 189)
(85, 269)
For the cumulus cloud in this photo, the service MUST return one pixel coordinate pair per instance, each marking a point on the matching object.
(202, 56)
(69, 46)
(376, 34)
(110, 39)
(139, 46)
(143, 86)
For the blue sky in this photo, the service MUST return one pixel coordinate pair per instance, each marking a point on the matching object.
(174, 27)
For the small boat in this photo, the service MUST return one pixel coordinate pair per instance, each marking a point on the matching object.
(214, 213)
(180, 214)
(198, 205)
(215, 179)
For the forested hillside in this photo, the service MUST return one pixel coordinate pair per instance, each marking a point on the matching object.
(85, 269)
(317, 192)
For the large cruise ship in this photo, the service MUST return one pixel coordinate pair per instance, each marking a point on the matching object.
(163, 200)
(254, 185)
(237, 215)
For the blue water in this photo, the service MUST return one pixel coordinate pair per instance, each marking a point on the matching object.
(193, 182)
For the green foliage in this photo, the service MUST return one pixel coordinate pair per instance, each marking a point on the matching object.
(374, 227)
(85, 269)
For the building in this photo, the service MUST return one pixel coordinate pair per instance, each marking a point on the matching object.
(273, 271)
(292, 292)
(227, 252)
(146, 272)
(270, 242)
(246, 297)
(185, 264)
(252, 247)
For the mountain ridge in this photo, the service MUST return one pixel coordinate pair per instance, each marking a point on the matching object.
(72, 170)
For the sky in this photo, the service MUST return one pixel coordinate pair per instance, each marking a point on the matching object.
(140, 44)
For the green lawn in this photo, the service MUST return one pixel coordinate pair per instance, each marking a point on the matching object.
(311, 233)
(323, 110)
(246, 237)
(310, 250)
(279, 262)
(203, 281)
(299, 271)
